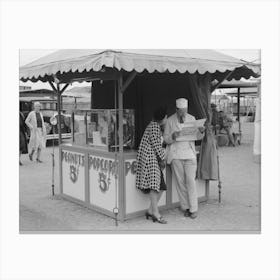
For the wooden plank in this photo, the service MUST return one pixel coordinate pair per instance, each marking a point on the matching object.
(128, 81)
(219, 83)
(64, 88)
(52, 86)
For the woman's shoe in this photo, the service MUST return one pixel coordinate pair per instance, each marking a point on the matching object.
(158, 220)
(20, 163)
(30, 157)
(38, 160)
(187, 213)
(193, 215)
(148, 215)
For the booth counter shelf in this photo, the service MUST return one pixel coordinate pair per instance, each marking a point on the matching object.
(95, 174)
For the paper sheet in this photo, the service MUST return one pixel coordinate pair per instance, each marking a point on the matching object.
(189, 130)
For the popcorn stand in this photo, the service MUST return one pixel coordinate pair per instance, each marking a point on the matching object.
(98, 167)
(90, 167)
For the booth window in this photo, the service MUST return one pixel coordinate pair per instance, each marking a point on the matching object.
(98, 128)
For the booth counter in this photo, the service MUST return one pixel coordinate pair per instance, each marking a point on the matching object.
(91, 178)
(104, 180)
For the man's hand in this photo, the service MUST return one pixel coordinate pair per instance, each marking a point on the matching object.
(162, 164)
(175, 135)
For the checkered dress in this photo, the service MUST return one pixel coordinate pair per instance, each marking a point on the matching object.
(148, 170)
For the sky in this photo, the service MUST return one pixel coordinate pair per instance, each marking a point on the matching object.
(29, 55)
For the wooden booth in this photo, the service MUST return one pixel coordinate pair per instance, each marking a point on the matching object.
(98, 168)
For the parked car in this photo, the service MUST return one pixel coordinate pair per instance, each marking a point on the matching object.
(48, 110)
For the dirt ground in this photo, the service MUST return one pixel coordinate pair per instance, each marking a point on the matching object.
(238, 212)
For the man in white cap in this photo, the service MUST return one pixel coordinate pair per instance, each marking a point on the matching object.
(182, 157)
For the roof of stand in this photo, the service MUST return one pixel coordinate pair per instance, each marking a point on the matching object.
(78, 61)
(238, 84)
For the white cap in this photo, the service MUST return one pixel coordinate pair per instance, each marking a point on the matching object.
(181, 103)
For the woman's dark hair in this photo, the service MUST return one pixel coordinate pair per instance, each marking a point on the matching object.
(160, 113)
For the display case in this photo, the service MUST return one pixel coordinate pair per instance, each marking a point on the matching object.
(98, 128)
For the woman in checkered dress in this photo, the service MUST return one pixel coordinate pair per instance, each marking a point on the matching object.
(150, 161)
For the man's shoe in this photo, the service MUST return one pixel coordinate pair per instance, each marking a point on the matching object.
(193, 215)
(187, 213)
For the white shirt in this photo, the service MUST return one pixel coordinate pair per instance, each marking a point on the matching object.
(178, 150)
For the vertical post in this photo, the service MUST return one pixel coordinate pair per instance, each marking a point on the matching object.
(117, 202)
(59, 138)
(91, 96)
(86, 127)
(73, 126)
(61, 101)
(59, 113)
(121, 189)
(120, 100)
(238, 110)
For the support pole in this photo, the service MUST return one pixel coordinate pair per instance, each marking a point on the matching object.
(120, 100)
(116, 209)
(220, 182)
(238, 111)
(121, 188)
(86, 126)
(53, 164)
(59, 114)
(73, 126)
(59, 93)
(91, 96)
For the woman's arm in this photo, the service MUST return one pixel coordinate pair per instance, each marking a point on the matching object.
(167, 135)
(155, 138)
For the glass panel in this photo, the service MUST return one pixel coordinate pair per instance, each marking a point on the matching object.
(99, 129)
(79, 129)
(128, 130)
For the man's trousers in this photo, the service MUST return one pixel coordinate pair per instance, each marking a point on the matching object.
(184, 172)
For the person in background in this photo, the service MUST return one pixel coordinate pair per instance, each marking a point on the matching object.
(37, 140)
(226, 123)
(22, 137)
(182, 157)
(150, 162)
(215, 117)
